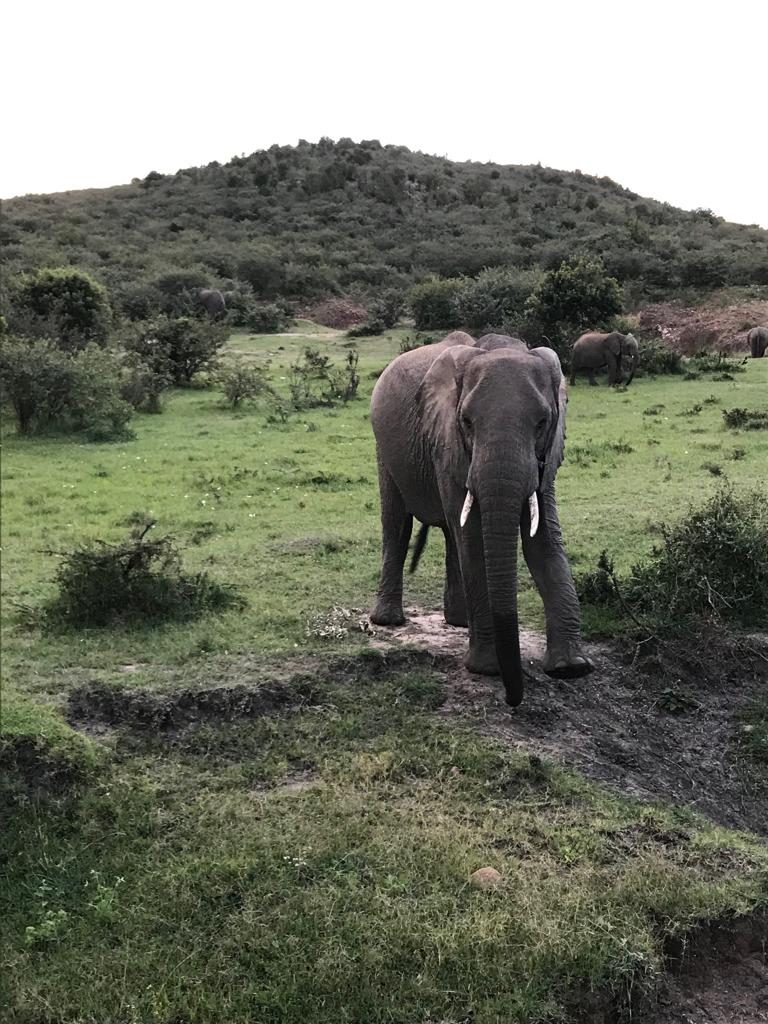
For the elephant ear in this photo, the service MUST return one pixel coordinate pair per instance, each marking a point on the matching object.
(438, 399)
(555, 450)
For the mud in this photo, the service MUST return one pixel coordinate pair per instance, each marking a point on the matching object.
(649, 737)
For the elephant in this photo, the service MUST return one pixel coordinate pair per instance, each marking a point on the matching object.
(213, 301)
(469, 436)
(758, 342)
(592, 351)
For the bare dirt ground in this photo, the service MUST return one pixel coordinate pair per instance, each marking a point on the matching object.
(690, 329)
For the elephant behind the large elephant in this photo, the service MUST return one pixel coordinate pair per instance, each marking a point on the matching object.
(757, 339)
(598, 351)
(469, 438)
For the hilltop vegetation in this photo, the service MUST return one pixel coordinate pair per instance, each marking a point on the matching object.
(300, 223)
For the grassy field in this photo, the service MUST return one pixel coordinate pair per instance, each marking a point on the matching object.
(311, 864)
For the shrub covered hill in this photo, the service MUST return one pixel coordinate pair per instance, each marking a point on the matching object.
(300, 222)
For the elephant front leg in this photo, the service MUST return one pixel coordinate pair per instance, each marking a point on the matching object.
(396, 526)
(454, 602)
(551, 573)
(592, 378)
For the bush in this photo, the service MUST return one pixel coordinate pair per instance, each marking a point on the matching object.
(48, 388)
(746, 419)
(141, 386)
(315, 381)
(177, 348)
(242, 382)
(433, 303)
(383, 314)
(263, 318)
(495, 299)
(576, 296)
(713, 362)
(712, 564)
(64, 304)
(657, 359)
(139, 581)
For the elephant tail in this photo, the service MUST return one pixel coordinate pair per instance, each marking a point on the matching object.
(418, 547)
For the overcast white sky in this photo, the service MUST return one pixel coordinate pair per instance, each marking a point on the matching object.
(668, 98)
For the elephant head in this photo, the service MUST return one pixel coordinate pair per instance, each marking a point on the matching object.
(630, 354)
(494, 421)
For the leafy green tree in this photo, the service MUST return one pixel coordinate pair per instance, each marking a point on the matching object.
(64, 303)
(574, 297)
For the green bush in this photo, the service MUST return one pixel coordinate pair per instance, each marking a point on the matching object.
(264, 318)
(141, 385)
(495, 299)
(177, 348)
(746, 419)
(713, 362)
(64, 304)
(714, 563)
(315, 381)
(657, 359)
(383, 314)
(50, 389)
(433, 303)
(139, 581)
(574, 297)
(242, 382)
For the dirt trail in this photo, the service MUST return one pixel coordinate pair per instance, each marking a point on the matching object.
(690, 329)
(618, 726)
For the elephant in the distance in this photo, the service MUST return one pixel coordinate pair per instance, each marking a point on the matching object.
(758, 342)
(469, 437)
(213, 301)
(595, 351)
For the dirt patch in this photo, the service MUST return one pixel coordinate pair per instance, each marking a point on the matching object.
(637, 733)
(691, 329)
(717, 976)
(96, 707)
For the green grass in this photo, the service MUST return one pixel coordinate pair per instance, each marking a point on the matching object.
(313, 864)
(290, 514)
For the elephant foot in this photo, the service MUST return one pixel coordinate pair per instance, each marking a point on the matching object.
(482, 661)
(567, 663)
(454, 618)
(387, 614)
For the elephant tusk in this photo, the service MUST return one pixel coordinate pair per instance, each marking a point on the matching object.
(533, 510)
(466, 509)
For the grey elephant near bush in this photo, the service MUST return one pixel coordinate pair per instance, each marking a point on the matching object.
(469, 436)
(595, 351)
(758, 342)
(213, 301)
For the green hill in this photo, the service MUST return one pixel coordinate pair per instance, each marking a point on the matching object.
(304, 221)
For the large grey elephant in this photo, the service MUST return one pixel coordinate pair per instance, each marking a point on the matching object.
(758, 342)
(213, 301)
(596, 351)
(469, 437)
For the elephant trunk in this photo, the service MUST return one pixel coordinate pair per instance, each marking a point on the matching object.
(500, 511)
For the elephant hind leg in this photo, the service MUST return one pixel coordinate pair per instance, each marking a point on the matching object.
(454, 602)
(396, 527)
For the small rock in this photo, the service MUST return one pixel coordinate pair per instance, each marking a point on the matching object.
(485, 878)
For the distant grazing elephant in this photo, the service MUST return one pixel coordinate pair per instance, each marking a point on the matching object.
(758, 342)
(214, 302)
(469, 436)
(594, 351)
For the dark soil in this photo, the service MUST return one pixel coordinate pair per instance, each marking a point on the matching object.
(647, 733)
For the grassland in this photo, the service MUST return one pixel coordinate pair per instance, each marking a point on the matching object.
(311, 864)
